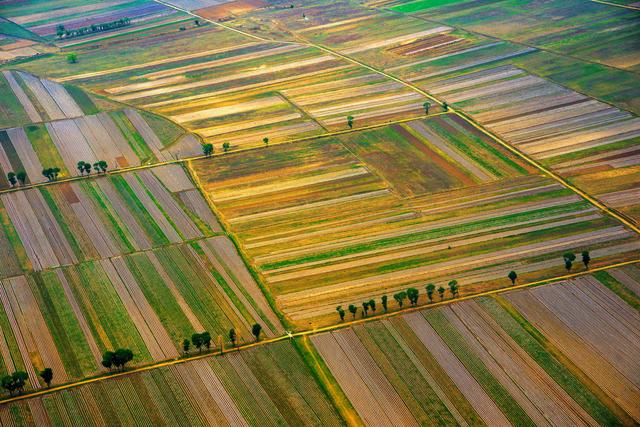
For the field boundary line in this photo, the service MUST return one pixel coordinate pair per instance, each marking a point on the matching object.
(625, 6)
(202, 156)
(314, 331)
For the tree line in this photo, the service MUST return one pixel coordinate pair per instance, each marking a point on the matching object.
(65, 33)
(202, 341)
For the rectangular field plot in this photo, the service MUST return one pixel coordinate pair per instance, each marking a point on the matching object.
(328, 226)
(270, 385)
(515, 361)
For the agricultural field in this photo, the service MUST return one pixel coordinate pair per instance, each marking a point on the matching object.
(43, 18)
(561, 354)
(269, 385)
(340, 220)
(135, 260)
(65, 125)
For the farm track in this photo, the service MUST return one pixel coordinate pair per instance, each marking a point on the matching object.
(308, 333)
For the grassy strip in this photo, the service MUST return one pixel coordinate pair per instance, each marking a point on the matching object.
(82, 99)
(144, 219)
(474, 365)
(63, 325)
(45, 148)
(618, 288)
(323, 376)
(513, 324)
(159, 206)
(135, 140)
(611, 410)
(62, 221)
(14, 240)
(431, 234)
(166, 130)
(107, 211)
(12, 343)
(11, 111)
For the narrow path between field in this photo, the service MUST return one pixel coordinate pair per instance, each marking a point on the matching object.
(308, 333)
(617, 4)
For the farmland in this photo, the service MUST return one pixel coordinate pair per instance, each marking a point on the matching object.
(341, 220)
(135, 260)
(529, 358)
(320, 213)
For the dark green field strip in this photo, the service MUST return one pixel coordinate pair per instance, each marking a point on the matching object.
(44, 147)
(206, 301)
(474, 365)
(105, 313)
(131, 135)
(83, 100)
(528, 338)
(12, 155)
(618, 288)
(14, 256)
(11, 111)
(540, 214)
(69, 339)
(12, 345)
(167, 131)
(401, 372)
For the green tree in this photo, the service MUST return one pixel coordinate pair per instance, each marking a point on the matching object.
(255, 330)
(47, 376)
(54, 173)
(512, 276)
(441, 291)
(372, 305)
(207, 149)
(426, 106)
(570, 256)
(196, 340)
(226, 147)
(430, 289)
(365, 308)
(568, 264)
(353, 310)
(72, 58)
(586, 259)
(341, 312)
(11, 177)
(121, 357)
(350, 122)
(60, 30)
(102, 164)
(107, 359)
(453, 288)
(21, 176)
(15, 381)
(384, 301)
(47, 174)
(81, 167)
(232, 336)
(266, 141)
(400, 297)
(445, 106)
(186, 345)
(206, 339)
(413, 294)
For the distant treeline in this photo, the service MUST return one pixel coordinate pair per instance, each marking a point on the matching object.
(93, 28)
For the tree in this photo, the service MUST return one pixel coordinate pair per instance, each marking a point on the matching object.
(399, 297)
(22, 177)
(102, 164)
(384, 300)
(47, 173)
(426, 106)
(232, 336)
(365, 308)
(196, 339)
(121, 357)
(60, 30)
(197, 22)
(47, 376)
(266, 141)
(206, 339)
(413, 294)
(453, 288)
(107, 359)
(568, 264)
(255, 330)
(11, 177)
(353, 310)
(441, 291)
(207, 149)
(55, 172)
(445, 106)
(430, 289)
(586, 259)
(512, 276)
(72, 58)
(350, 122)
(341, 312)
(226, 146)
(15, 381)
(186, 345)
(80, 167)
(372, 305)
